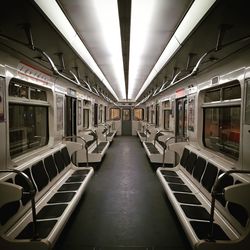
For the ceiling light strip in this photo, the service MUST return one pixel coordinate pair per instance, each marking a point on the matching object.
(57, 17)
(107, 16)
(194, 15)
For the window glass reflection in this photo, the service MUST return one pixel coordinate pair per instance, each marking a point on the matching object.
(28, 128)
(222, 129)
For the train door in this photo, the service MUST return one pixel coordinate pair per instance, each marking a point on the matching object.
(246, 129)
(70, 123)
(181, 117)
(126, 121)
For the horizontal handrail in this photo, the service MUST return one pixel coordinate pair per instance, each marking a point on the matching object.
(176, 137)
(74, 137)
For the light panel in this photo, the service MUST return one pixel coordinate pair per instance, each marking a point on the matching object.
(108, 23)
(196, 12)
(141, 24)
(167, 54)
(57, 17)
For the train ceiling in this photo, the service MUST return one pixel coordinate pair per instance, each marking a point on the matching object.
(125, 49)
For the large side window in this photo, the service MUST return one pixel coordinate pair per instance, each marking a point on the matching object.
(221, 129)
(181, 117)
(166, 114)
(147, 114)
(95, 115)
(138, 114)
(115, 114)
(247, 110)
(85, 118)
(79, 112)
(157, 115)
(28, 123)
(59, 112)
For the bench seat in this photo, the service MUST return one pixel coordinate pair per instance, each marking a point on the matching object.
(92, 152)
(188, 187)
(59, 186)
(157, 148)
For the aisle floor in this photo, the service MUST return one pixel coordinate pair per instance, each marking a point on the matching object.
(124, 207)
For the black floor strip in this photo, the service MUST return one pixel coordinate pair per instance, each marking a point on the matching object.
(124, 206)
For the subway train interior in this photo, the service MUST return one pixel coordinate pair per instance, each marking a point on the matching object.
(124, 125)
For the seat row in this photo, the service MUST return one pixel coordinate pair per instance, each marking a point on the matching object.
(211, 202)
(38, 198)
(155, 144)
(95, 146)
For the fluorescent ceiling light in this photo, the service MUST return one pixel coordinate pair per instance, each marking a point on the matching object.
(141, 22)
(169, 51)
(196, 12)
(57, 17)
(109, 25)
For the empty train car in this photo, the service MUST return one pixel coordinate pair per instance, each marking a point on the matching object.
(124, 124)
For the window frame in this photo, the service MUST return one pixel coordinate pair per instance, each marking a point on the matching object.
(110, 114)
(142, 114)
(23, 101)
(219, 106)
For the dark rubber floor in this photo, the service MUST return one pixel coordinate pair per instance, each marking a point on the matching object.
(124, 207)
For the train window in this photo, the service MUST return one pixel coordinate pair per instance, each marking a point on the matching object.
(152, 116)
(247, 112)
(221, 127)
(95, 115)
(100, 114)
(191, 106)
(166, 104)
(157, 116)
(138, 114)
(38, 94)
(231, 92)
(79, 112)
(181, 117)
(126, 115)
(28, 128)
(59, 112)
(105, 113)
(115, 114)
(17, 89)
(147, 114)
(212, 96)
(85, 118)
(166, 114)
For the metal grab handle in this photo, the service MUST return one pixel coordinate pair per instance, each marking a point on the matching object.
(177, 137)
(167, 146)
(86, 149)
(74, 137)
(107, 127)
(32, 192)
(216, 192)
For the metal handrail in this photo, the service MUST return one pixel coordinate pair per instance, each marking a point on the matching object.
(215, 193)
(75, 137)
(86, 148)
(32, 192)
(159, 131)
(105, 125)
(167, 146)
